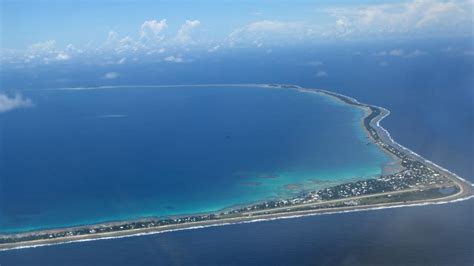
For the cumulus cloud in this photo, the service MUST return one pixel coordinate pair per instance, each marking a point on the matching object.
(150, 38)
(45, 47)
(414, 16)
(368, 21)
(47, 52)
(121, 44)
(152, 29)
(360, 21)
(111, 75)
(9, 103)
(184, 33)
(72, 49)
(127, 44)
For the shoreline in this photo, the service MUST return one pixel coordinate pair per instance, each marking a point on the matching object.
(288, 215)
(376, 133)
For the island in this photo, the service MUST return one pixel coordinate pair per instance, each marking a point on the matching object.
(417, 182)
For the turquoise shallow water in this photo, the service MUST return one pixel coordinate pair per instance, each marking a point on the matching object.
(89, 156)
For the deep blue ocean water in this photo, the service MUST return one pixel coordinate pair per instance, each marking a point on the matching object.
(428, 96)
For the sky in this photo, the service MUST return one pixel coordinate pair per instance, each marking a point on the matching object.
(48, 31)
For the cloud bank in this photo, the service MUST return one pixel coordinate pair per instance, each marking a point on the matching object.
(351, 21)
(418, 16)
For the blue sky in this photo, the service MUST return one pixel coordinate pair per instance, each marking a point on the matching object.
(54, 30)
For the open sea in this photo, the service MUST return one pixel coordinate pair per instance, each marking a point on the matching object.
(272, 142)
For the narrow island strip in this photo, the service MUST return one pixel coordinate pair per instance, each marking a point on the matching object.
(418, 182)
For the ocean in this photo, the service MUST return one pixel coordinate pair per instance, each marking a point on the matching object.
(431, 104)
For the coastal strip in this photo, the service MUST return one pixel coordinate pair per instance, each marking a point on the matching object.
(419, 182)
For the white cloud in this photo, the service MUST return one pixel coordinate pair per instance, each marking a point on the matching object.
(46, 52)
(62, 56)
(127, 44)
(436, 10)
(152, 29)
(174, 59)
(121, 45)
(184, 33)
(41, 51)
(361, 21)
(111, 75)
(72, 49)
(8, 104)
(45, 47)
(408, 18)
(149, 40)
(424, 16)
(321, 74)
